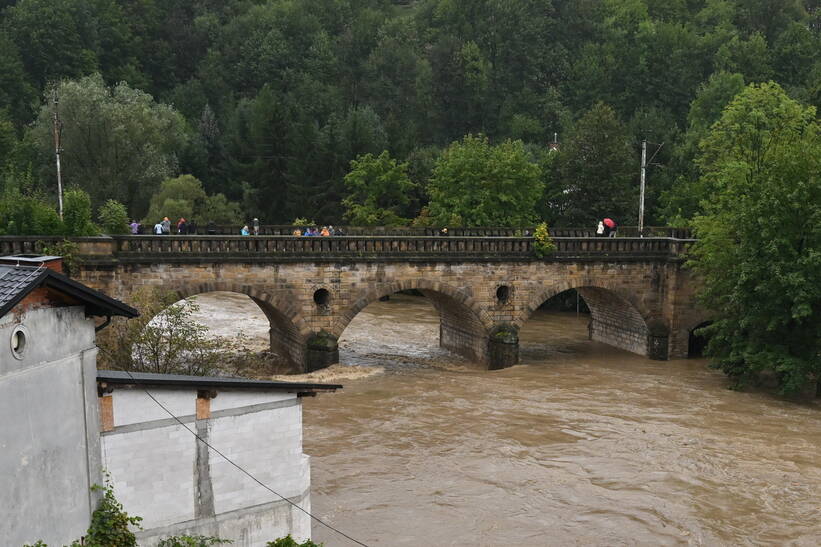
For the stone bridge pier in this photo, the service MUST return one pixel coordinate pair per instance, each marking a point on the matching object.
(645, 305)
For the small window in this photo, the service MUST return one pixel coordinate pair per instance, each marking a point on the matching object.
(19, 340)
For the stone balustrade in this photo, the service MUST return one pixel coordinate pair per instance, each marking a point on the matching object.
(489, 231)
(187, 248)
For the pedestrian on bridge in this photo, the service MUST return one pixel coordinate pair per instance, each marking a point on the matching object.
(609, 227)
(166, 226)
(158, 228)
(256, 226)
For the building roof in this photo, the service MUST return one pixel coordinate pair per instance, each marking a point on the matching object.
(121, 377)
(17, 281)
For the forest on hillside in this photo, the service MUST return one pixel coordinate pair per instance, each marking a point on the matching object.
(267, 102)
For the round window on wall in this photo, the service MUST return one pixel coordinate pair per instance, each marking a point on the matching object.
(19, 340)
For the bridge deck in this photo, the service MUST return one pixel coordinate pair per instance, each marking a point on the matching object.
(198, 248)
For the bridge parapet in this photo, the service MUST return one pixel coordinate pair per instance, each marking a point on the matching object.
(188, 248)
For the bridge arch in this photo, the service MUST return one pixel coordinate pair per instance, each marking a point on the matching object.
(288, 330)
(617, 317)
(464, 325)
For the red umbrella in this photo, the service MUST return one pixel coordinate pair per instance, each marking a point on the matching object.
(609, 222)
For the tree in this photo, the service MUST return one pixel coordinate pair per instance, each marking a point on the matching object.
(118, 143)
(682, 200)
(378, 188)
(23, 211)
(113, 217)
(759, 248)
(597, 171)
(477, 184)
(77, 213)
(183, 196)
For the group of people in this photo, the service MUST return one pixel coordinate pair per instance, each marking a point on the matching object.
(163, 227)
(325, 231)
(606, 228)
(245, 231)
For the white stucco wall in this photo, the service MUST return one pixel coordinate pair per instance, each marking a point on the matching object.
(160, 475)
(49, 448)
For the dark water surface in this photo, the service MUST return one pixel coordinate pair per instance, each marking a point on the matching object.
(581, 444)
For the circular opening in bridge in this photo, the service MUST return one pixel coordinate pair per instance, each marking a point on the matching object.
(503, 294)
(322, 297)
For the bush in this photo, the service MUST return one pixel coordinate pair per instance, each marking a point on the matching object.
(23, 212)
(191, 541)
(113, 217)
(288, 541)
(77, 213)
(543, 244)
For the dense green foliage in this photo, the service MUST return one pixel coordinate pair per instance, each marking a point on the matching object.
(113, 217)
(378, 191)
(288, 541)
(184, 197)
(191, 541)
(759, 250)
(477, 184)
(77, 213)
(268, 101)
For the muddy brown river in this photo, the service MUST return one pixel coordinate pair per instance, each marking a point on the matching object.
(580, 444)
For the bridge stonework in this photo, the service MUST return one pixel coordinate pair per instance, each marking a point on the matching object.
(643, 306)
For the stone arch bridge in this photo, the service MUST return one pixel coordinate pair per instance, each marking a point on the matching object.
(640, 295)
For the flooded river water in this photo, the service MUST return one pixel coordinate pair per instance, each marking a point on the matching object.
(580, 444)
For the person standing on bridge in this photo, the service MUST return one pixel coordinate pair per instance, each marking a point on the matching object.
(244, 231)
(158, 228)
(256, 226)
(600, 229)
(166, 226)
(609, 227)
(135, 227)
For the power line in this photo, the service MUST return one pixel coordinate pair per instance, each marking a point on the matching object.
(229, 460)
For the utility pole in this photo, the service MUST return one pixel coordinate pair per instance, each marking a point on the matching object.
(58, 129)
(641, 191)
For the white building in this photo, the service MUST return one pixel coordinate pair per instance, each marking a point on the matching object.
(49, 441)
(166, 474)
(62, 422)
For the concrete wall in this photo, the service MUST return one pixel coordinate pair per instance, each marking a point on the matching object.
(49, 448)
(162, 473)
(630, 292)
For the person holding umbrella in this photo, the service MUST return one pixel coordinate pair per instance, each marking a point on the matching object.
(609, 227)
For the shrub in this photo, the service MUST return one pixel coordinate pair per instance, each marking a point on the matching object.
(77, 213)
(191, 541)
(113, 217)
(288, 541)
(543, 244)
